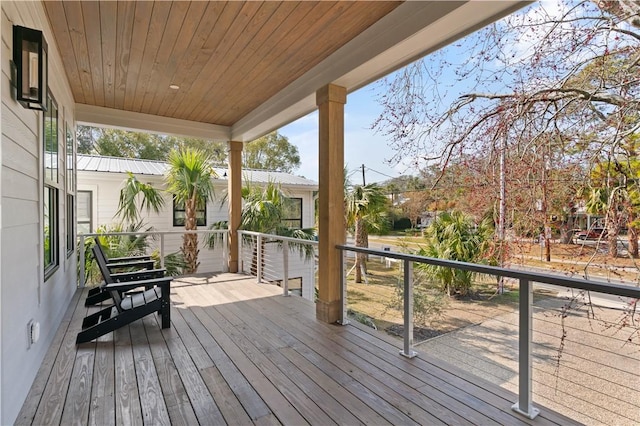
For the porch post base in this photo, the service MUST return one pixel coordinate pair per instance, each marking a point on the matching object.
(233, 266)
(328, 312)
(533, 412)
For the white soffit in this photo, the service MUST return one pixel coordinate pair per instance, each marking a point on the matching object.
(126, 120)
(411, 31)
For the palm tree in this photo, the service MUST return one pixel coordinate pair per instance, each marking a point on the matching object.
(263, 207)
(263, 212)
(135, 196)
(365, 213)
(189, 180)
(454, 236)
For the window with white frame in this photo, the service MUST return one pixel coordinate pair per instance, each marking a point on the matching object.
(70, 182)
(85, 212)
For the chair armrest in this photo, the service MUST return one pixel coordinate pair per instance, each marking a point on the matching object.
(125, 286)
(147, 264)
(138, 275)
(127, 259)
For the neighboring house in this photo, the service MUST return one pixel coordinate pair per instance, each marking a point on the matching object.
(585, 220)
(101, 178)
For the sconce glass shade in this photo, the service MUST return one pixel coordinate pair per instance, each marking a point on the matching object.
(30, 59)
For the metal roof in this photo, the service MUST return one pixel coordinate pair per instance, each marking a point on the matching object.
(94, 163)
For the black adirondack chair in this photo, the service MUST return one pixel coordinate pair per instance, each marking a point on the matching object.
(127, 307)
(143, 266)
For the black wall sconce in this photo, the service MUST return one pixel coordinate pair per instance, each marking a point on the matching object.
(30, 62)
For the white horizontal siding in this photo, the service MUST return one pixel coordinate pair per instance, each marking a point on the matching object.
(105, 187)
(24, 295)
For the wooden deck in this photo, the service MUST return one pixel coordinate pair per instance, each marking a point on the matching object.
(240, 353)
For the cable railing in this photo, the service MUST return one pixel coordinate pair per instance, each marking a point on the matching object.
(597, 379)
(560, 324)
(213, 248)
(284, 261)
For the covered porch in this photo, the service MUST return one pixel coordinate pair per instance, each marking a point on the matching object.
(227, 71)
(240, 353)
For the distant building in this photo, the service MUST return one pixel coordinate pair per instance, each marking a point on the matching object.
(100, 180)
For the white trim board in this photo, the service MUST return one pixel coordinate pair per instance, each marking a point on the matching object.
(136, 121)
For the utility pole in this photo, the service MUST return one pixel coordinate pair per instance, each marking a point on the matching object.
(547, 225)
(363, 181)
(503, 190)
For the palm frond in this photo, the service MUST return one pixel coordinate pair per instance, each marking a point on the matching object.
(135, 192)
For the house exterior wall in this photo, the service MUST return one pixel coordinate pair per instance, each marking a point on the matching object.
(105, 188)
(25, 294)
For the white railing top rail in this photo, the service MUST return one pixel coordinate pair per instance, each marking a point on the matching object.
(280, 237)
(575, 283)
(184, 231)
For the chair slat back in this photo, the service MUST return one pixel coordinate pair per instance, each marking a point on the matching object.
(100, 250)
(102, 263)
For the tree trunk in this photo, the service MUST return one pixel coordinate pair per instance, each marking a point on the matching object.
(547, 249)
(612, 234)
(190, 241)
(566, 231)
(362, 240)
(633, 242)
(632, 233)
(547, 242)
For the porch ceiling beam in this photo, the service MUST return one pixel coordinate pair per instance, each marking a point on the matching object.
(113, 118)
(409, 32)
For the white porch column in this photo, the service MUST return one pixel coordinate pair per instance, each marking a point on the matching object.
(235, 201)
(331, 228)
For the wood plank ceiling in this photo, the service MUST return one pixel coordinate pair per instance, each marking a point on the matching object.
(226, 57)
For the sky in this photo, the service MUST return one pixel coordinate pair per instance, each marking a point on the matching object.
(361, 144)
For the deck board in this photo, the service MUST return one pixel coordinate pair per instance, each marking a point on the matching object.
(49, 410)
(127, 400)
(239, 353)
(152, 402)
(272, 346)
(203, 403)
(103, 409)
(179, 407)
(30, 407)
(379, 395)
